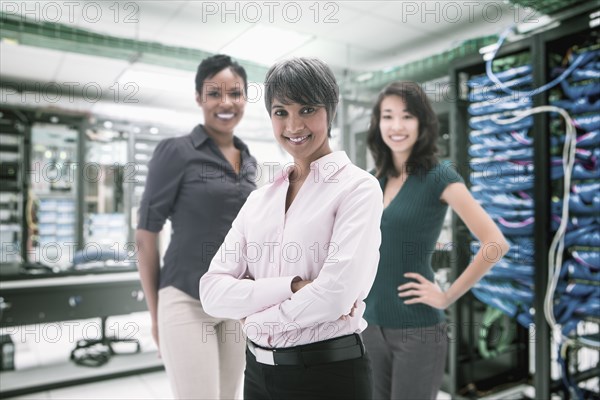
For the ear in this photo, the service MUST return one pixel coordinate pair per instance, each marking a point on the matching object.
(198, 99)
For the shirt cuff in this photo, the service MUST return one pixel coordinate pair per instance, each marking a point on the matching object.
(274, 290)
(146, 222)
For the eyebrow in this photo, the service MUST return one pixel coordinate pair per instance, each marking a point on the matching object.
(390, 110)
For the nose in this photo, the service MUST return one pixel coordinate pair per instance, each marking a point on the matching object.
(397, 124)
(294, 124)
(227, 99)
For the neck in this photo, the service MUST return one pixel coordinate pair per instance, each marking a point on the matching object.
(302, 165)
(221, 139)
(301, 170)
(400, 160)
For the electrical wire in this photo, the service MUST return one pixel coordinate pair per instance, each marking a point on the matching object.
(556, 250)
(490, 73)
(555, 253)
(507, 333)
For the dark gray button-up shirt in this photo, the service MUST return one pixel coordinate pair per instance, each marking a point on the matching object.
(191, 182)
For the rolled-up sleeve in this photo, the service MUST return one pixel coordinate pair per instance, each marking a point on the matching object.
(165, 172)
(348, 272)
(227, 292)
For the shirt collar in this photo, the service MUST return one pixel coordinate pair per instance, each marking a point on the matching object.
(199, 136)
(324, 167)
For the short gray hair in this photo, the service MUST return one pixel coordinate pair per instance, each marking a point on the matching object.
(306, 81)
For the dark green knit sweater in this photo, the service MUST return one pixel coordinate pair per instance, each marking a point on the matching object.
(410, 227)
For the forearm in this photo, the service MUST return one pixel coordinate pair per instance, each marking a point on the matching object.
(149, 268)
(490, 252)
(226, 296)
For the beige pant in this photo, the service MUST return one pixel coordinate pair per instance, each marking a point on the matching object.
(204, 356)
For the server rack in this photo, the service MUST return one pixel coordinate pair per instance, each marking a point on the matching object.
(575, 33)
(14, 138)
(470, 374)
(464, 312)
(69, 293)
(19, 177)
(141, 147)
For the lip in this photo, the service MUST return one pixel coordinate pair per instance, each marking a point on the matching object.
(298, 140)
(223, 116)
(398, 138)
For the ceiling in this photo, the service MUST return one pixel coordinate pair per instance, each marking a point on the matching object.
(348, 35)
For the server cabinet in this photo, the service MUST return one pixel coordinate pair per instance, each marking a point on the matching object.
(515, 173)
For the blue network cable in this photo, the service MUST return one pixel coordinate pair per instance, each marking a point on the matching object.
(580, 59)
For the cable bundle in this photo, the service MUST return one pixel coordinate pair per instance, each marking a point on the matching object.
(574, 290)
(502, 178)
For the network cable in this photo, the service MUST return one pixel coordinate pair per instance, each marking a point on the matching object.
(557, 245)
(579, 60)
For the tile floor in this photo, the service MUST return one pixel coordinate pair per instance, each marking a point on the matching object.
(152, 385)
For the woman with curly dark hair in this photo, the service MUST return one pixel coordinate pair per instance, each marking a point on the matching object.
(406, 337)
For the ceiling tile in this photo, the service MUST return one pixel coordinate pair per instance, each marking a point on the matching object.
(29, 63)
(85, 70)
(370, 32)
(187, 29)
(333, 53)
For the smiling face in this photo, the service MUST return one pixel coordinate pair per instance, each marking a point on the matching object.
(301, 130)
(399, 128)
(223, 102)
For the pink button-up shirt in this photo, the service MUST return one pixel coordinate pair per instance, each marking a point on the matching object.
(330, 234)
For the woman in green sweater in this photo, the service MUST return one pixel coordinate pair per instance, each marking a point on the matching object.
(406, 336)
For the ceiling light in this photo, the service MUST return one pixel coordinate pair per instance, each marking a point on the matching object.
(10, 41)
(528, 26)
(364, 77)
(139, 79)
(279, 42)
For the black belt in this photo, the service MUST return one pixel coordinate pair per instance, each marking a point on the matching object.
(338, 349)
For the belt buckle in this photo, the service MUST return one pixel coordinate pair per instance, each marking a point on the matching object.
(264, 356)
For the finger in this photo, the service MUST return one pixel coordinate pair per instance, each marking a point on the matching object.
(414, 301)
(409, 293)
(409, 285)
(418, 288)
(416, 276)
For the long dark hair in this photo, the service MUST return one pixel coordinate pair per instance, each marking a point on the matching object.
(423, 155)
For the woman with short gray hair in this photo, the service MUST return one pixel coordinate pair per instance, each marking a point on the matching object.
(302, 254)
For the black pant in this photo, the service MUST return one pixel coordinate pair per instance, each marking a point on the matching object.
(350, 379)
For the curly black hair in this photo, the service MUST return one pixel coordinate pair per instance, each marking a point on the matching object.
(211, 66)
